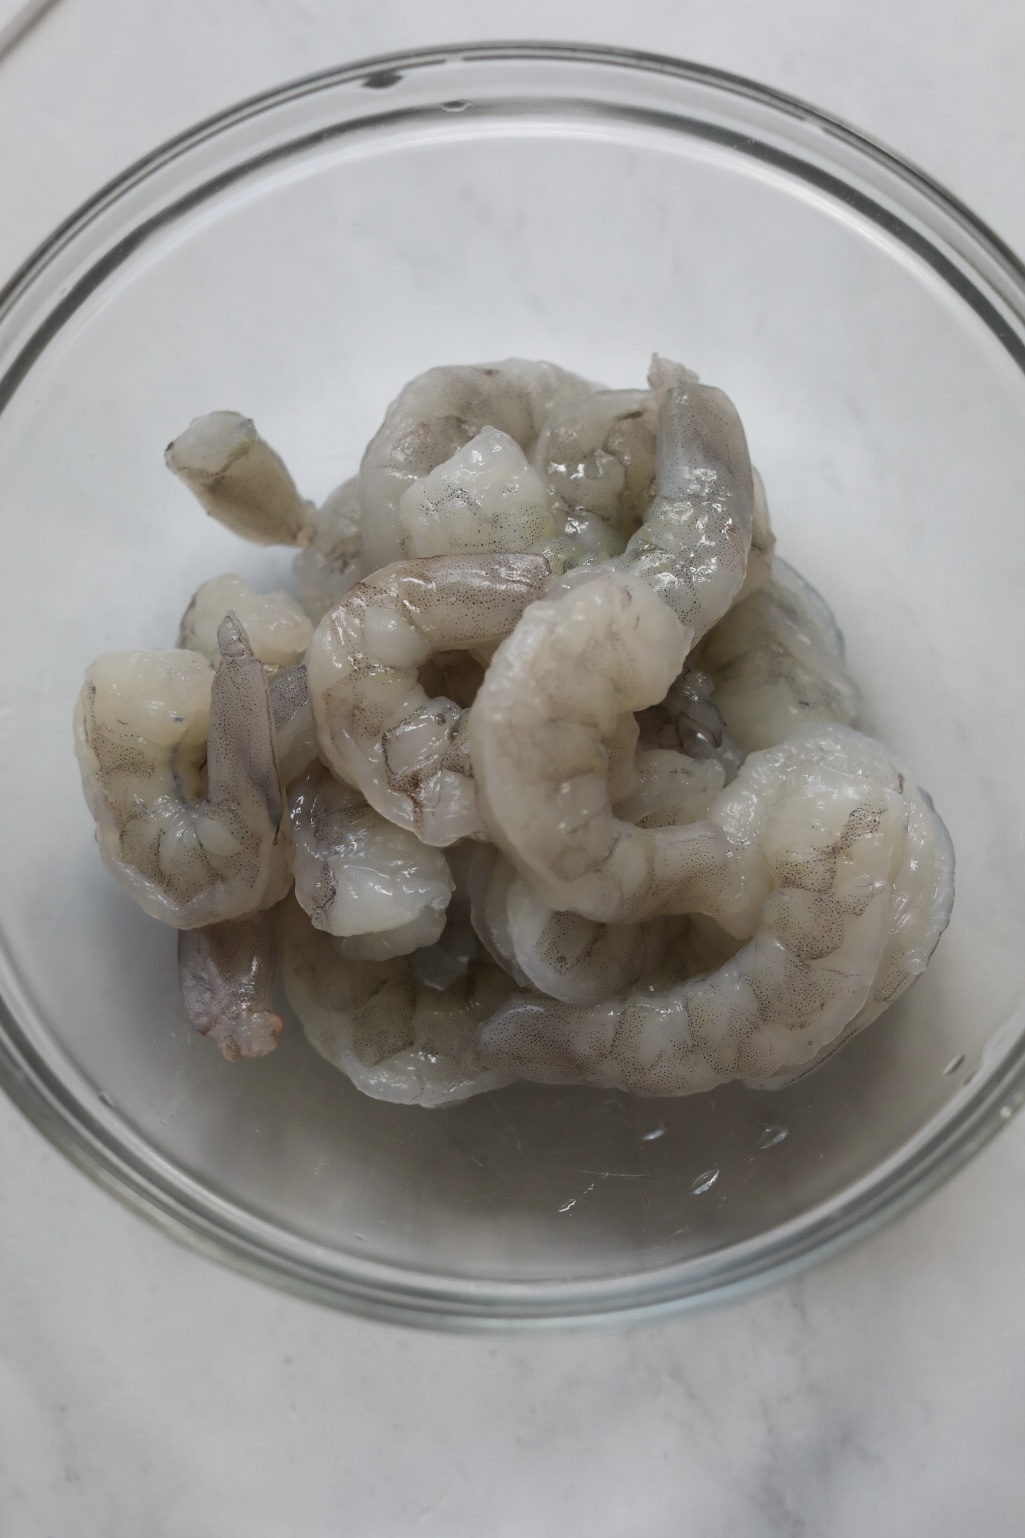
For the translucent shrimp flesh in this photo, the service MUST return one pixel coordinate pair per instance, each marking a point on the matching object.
(362, 878)
(292, 714)
(435, 415)
(332, 560)
(180, 771)
(227, 973)
(541, 730)
(776, 660)
(240, 480)
(849, 883)
(692, 548)
(377, 726)
(560, 953)
(597, 452)
(396, 1037)
(486, 497)
(689, 721)
(278, 630)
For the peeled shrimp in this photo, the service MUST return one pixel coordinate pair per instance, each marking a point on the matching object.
(376, 725)
(692, 548)
(562, 954)
(278, 630)
(597, 453)
(849, 883)
(541, 730)
(395, 1037)
(486, 497)
(239, 479)
(360, 877)
(180, 771)
(434, 416)
(777, 660)
(227, 973)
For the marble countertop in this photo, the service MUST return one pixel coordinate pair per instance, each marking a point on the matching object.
(144, 1390)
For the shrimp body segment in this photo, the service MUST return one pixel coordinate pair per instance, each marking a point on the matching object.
(542, 730)
(239, 479)
(180, 771)
(356, 874)
(849, 883)
(436, 414)
(394, 1036)
(376, 724)
(692, 548)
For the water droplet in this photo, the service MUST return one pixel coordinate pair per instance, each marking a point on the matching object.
(954, 1064)
(1006, 1112)
(659, 1131)
(454, 106)
(704, 1182)
(567, 1205)
(106, 1099)
(773, 1135)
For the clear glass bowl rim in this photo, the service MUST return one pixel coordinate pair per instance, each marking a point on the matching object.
(835, 158)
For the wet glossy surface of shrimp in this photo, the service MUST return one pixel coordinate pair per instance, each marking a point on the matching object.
(436, 414)
(276, 627)
(239, 479)
(376, 725)
(849, 885)
(394, 1036)
(179, 768)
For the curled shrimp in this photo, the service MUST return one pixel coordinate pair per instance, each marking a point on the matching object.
(776, 660)
(850, 885)
(542, 732)
(362, 878)
(277, 629)
(435, 415)
(180, 771)
(597, 452)
(693, 546)
(226, 973)
(560, 953)
(376, 725)
(396, 1037)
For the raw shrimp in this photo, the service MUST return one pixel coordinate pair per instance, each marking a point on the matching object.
(180, 771)
(360, 877)
(376, 725)
(541, 729)
(692, 548)
(394, 1036)
(689, 721)
(763, 543)
(332, 560)
(562, 954)
(240, 480)
(597, 453)
(669, 788)
(278, 630)
(850, 883)
(486, 497)
(777, 660)
(227, 974)
(434, 416)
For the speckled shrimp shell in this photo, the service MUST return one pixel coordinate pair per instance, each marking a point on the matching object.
(396, 1037)
(376, 725)
(849, 885)
(433, 417)
(227, 974)
(179, 767)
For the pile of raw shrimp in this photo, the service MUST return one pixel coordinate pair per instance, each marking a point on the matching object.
(546, 773)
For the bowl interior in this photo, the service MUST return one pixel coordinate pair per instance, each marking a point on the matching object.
(889, 424)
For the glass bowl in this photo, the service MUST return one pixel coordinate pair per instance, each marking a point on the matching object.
(299, 258)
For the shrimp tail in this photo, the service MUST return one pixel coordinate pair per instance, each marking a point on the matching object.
(227, 973)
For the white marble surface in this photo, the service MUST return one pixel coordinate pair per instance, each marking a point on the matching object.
(144, 1390)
